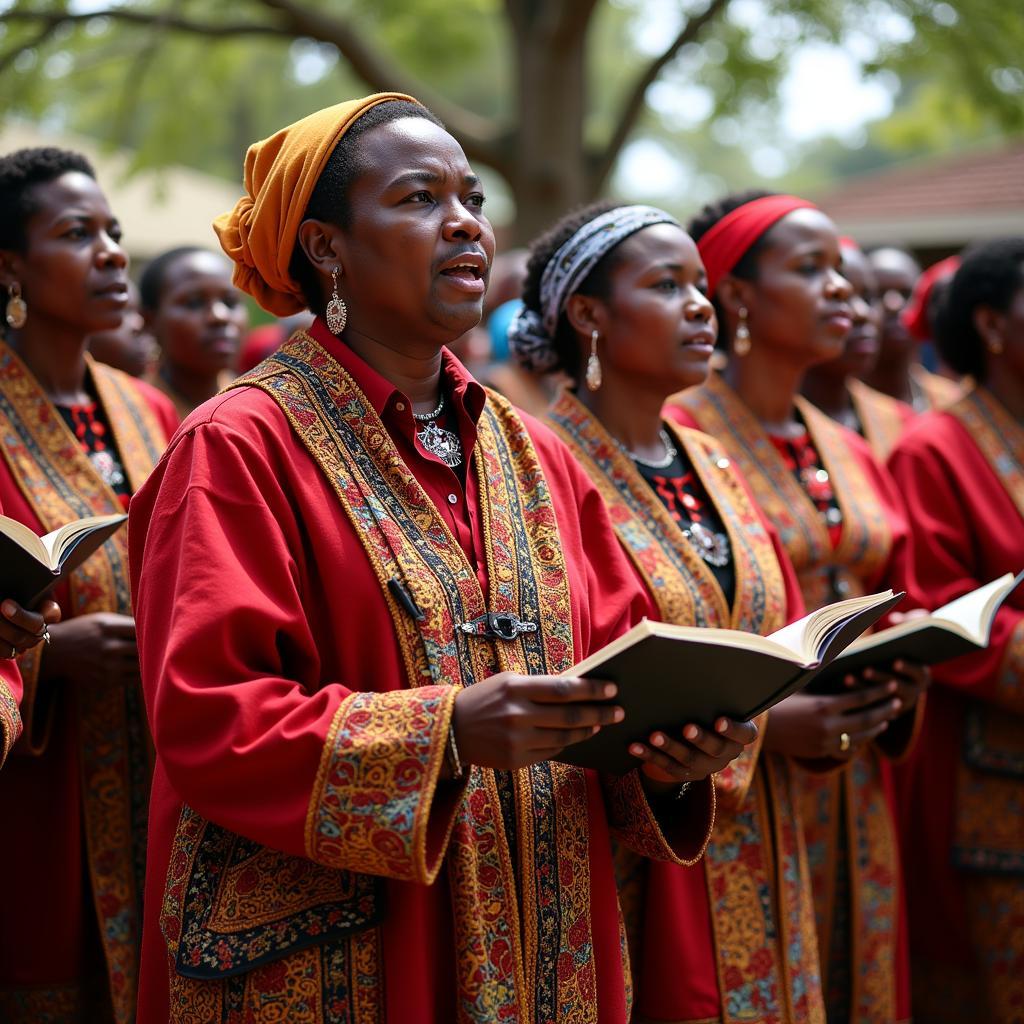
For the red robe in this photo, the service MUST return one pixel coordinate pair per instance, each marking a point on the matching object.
(858, 890)
(295, 715)
(962, 790)
(73, 900)
(731, 938)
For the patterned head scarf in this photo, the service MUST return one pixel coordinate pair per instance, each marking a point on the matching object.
(260, 233)
(531, 334)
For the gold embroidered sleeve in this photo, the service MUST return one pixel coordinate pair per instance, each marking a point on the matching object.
(10, 721)
(672, 830)
(378, 805)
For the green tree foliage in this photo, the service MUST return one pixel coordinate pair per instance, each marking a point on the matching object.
(545, 92)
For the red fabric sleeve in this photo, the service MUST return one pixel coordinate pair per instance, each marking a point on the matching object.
(218, 573)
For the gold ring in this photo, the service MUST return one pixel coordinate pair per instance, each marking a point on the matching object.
(844, 742)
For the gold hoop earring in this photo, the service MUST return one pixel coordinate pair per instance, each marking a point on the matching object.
(16, 312)
(593, 375)
(336, 313)
(741, 342)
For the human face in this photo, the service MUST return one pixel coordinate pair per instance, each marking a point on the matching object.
(799, 305)
(416, 256)
(1010, 327)
(862, 343)
(200, 317)
(73, 272)
(130, 346)
(895, 275)
(657, 328)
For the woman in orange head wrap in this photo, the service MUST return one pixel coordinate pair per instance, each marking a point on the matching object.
(343, 828)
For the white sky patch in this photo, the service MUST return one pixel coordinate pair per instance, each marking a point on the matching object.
(824, 93)
(647, 169)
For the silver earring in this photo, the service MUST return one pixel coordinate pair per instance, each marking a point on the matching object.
(593, 375)
(741, 342)
(337, 311)
(16, 312)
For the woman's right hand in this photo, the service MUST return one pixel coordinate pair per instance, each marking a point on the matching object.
(511, 721)
(813, 726)
(92, 649)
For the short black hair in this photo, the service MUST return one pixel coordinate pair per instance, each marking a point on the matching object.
(597, 283)
(151, 283)
(20, 172)
(990, 275)
(746, 268)
(329, 201)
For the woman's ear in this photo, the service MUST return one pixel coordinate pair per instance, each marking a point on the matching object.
(586, 314)
(8, 268)
(734, 294)
(991, 326)
(323, 245)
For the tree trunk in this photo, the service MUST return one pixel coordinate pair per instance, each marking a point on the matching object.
(548, 175)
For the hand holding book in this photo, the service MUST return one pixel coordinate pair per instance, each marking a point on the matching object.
(21, 629)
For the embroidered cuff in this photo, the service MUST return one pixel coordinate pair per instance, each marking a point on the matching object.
(679, 835)
(10, 721)
(375, 806)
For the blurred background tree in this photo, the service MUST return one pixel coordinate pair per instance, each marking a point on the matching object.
(672, 100)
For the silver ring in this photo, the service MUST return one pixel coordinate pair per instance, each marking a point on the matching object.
(844, 742)
(45, 635)
(14, 652)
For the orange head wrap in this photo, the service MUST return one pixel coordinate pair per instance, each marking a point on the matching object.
(260, 233)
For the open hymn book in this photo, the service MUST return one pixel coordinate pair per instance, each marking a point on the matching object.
(30, 565)
(960, 627)
(669, 676)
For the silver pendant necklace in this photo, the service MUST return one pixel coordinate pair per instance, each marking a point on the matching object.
(444, 444)
(665, 461)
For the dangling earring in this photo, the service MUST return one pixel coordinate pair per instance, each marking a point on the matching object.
(16, 312)
(337, 311)
(741, 342)
(593, 375)
(994, 346)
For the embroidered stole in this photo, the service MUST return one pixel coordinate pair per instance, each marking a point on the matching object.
(879, 416)
(989, 832)
(60, 484)
(755, 865)
(519, 957)
(857, 794)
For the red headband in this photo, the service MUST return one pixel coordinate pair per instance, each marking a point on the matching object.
(725, 244)
(915, 314)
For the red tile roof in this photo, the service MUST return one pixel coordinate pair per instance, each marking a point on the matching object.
(987, 181)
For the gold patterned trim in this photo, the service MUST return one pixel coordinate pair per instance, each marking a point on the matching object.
(10, 721)
(881, 417)
(381, 763)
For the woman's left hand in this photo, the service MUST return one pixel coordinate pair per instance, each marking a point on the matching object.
(21, 630)
(668, 762)
(911, 678)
